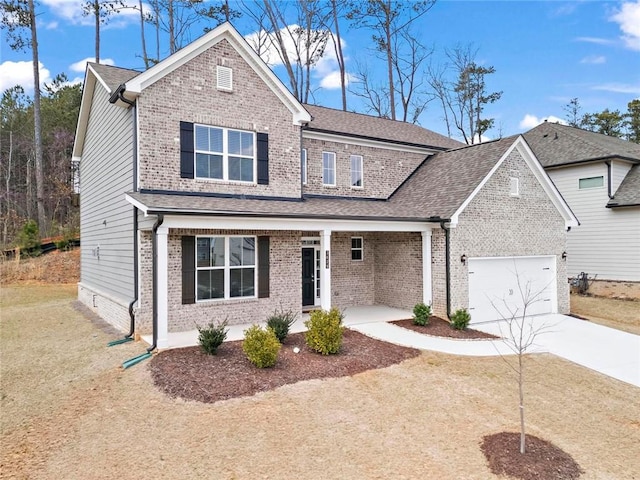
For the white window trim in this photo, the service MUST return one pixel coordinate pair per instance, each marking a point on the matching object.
(351, 158)
(590, 178)
(227, 269)
(332, 155)
(225, 155)
(361, 249)
(304, 166)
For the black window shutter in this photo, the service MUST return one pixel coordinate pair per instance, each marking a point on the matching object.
(263, 267)
(188, 270)
(186, 150)
(263, 158)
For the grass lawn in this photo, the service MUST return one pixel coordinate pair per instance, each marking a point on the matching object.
(610, 312)
(69, 411)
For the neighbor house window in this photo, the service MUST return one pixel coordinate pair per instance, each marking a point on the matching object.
(515, 186)
(225, 267)
(591, 182)
(329, 168)
(356, 171)
(224, 154)
(304, 165)
(224, 78)
(357, 248)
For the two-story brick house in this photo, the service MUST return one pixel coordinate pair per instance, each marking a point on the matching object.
(209, 192)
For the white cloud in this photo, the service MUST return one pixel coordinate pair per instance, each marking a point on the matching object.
(618, 88)
(21, 73)
(594, 59)
(331, 80)
(81, 65)
(596, 40)
(71, 10)
(628, 17)
(529, 121)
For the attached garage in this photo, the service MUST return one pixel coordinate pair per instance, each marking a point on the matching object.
(500, 286)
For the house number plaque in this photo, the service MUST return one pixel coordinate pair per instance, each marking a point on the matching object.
(327, 260)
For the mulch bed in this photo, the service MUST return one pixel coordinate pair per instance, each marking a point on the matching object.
(541, 460)
(191, 374)
(441, 328)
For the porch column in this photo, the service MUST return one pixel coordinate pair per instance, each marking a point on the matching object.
(427, 294)
(163, 286)
(325, 269)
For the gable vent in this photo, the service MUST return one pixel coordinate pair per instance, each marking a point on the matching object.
(224, 78)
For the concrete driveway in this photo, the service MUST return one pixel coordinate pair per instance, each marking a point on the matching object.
(603, 349)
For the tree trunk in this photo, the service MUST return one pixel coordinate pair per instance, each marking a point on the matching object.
(338, 48)
(392, 100)
(172, 33)
(37, 122)
(96, 12)
(145, 57)
(521, 393)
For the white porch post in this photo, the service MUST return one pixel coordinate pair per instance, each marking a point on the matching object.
(163, 286)
(427, 293)
(325, 269)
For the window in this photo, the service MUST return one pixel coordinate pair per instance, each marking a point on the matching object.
(515, 186)
(329, 169)
(356, 171)
(224, 78)
(225, 267)
(304, 166)
(224, 154)
(357, 248)
(591, 182)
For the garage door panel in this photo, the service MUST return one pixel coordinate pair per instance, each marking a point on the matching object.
(499, 286)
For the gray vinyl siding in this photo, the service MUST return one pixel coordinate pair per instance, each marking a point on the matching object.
(607, 241)
(106, 218)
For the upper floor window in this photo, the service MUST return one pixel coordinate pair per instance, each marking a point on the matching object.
(224, 154)
(591, 182)
(329, 169)
(356, 171)
(225, 267)
(303, 159)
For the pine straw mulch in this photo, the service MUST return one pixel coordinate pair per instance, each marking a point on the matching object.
(439, 327)
(191, 374)
(541, 460)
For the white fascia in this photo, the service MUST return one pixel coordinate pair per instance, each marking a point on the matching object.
(139, 205)
(365, 142)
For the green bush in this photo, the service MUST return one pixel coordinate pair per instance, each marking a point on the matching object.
(324, 331)
(211, 337)
(421, 314)
(460, 319)
(280, 322)
(261, 346)
(29, 238)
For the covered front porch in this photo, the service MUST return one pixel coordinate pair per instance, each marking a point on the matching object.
(358, 315)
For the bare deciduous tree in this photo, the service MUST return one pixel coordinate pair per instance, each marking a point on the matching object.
(101, 10)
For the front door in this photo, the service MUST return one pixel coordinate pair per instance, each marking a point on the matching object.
(308, 277)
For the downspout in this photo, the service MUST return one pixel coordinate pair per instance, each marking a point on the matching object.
(447, 267)
(608, 164)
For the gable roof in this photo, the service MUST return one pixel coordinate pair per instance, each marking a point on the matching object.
(329, 120)
(447, 182)
(628, 193)
(556, 145)
(222, 32)
(111, 77)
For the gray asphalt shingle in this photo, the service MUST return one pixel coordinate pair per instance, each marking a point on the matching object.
(113, 76)
(628, 193)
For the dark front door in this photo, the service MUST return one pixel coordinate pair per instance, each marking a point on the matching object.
(308, 292)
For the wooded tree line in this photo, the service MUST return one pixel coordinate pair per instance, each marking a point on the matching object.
(37, 132)
(625, 125)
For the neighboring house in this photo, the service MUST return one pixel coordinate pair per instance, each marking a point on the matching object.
(208, 192)
(599, 177)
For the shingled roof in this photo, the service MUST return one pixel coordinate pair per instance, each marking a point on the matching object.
(555, 145)
(444, 181)
(359, 125)
(113, 76)
(628, 193)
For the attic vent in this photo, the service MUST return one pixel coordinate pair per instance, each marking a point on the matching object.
(514, 184)
(224, 78)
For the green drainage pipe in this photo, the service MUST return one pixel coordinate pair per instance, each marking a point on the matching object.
(120, 341)
(132, 361)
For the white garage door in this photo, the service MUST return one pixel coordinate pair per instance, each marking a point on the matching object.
(499, 287)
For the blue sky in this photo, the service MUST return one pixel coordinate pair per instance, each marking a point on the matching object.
(544, 53)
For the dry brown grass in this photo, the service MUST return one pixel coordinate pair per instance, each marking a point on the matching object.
(69, 411)
(55, 267)
(621, 314)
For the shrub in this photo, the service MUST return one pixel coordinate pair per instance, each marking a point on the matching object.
(29, 238)
(261, 346)
(211, 337)
(421, 314)
(460, 319)
(324, 331)
(280, 322)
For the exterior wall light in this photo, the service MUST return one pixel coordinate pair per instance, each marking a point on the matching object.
(564, 256)
(463, 259)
